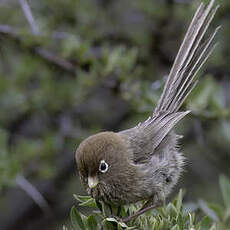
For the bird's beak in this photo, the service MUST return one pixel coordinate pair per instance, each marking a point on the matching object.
(92, 182)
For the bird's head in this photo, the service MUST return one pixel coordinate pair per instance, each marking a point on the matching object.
(102, 159)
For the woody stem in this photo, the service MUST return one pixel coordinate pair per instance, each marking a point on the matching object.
(140, 212)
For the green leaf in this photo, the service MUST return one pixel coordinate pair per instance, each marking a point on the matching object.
(175, 227)
(64, 227)
(123, 225)
(131, 228)
(205, 223)
(89, 203)
(171, 210)
(76, 219)
(107, 225)
(82, 198)
(99, 205)
(225, 189)
(106, 210)
(208, 211)
(180, 221)
(218, 209)
(179, 200)
(120, 227)
(214, 227)
(191, 220)
(92, 223)
(86, 201)
(227, 215)
(111, 219)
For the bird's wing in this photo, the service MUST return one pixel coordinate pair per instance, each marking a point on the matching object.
(191, 56)
(144, 138)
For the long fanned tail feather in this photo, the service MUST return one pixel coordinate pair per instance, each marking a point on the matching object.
(192, 54)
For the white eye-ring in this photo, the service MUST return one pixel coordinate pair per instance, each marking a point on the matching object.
(103, 166)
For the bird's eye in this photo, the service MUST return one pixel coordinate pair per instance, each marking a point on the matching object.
(103, 166)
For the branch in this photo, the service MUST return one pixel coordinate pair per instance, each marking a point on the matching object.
(29, 16)
(26, 213)
(37, 197)
(46, 55)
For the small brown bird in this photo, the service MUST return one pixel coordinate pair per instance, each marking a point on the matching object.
(144, 162)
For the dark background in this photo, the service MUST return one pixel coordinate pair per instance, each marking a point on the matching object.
(77, 67)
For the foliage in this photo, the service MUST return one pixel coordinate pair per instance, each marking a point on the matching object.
(175, 215)
(36, 92)
(99, 65)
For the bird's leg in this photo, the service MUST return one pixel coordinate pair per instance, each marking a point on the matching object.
(144, 209)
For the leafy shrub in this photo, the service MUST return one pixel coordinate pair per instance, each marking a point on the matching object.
(173, 216)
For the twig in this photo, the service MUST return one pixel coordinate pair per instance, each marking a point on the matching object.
(45, 54)
(37, 197)
(49, 56)
(29, 16)
(6, 29)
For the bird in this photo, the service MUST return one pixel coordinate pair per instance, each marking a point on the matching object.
(144, 163)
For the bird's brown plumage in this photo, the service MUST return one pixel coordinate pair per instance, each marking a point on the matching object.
(112, 148)
(144, 162)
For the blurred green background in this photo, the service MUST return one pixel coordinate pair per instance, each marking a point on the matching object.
(77, 67)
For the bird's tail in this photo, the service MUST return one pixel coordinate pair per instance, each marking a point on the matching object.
(191, 56)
